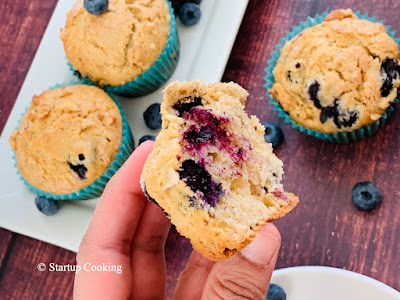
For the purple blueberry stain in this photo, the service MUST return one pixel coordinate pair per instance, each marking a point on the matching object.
(279, 194)
(204, 117)
(200, 136)
(198, 179)
(209, 130)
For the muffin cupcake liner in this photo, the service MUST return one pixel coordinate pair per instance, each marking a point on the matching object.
(340, 137)
(154, 77)
(95, 189)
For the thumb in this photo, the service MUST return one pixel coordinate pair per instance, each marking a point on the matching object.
(247, 274)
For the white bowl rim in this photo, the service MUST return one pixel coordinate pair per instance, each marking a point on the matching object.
(337, 271)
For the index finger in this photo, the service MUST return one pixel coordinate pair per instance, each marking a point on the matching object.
(118, 212)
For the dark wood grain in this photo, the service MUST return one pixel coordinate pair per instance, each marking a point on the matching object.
(325, 228)
(22, 280)
(6, 238)
(22, 24)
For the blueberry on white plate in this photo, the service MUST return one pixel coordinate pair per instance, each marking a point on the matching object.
(46, 206)
(190, 14)
(152, 116)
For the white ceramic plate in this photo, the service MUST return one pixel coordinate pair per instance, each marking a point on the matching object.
(205, 49)
(324, 283)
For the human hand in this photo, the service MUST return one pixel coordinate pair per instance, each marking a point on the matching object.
(129, 231)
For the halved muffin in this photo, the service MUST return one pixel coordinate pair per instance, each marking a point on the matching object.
(211, 169)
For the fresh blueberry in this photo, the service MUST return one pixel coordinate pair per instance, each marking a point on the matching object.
(190, 14)
(366, 195)
(46, 206)
(95, 7)
(194, 1)
(152, 116)
(147, 138)
(275, 292)
(273, 134)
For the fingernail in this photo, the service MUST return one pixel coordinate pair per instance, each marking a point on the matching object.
(263, 247)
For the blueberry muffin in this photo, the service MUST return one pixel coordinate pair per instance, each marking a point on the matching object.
(211, 169)
(119, 45)
(338, 75)
(67, 138)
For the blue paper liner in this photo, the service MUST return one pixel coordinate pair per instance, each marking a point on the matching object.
(339, 137)
(95, 189)
(155, 76)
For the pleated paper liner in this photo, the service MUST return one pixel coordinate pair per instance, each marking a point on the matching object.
(155, 76)
(95, 189)
(340, 137)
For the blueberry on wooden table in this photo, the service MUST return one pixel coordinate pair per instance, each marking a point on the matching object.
(190, 14)
(273, 134)
(275, 292)
(46, 206)
(366, 195)
(95, 7)
(152, 116)
(147, 138)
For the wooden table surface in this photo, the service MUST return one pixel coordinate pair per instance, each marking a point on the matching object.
(325, 229)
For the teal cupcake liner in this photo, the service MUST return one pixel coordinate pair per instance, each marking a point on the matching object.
(96, 188)
(158, 73)
(340, 137)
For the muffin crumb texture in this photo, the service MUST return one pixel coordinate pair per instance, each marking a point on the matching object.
(117, 46)
(338, 75)
(212, 171)
(67, 138)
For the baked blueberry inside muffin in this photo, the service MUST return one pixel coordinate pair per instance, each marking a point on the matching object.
(211, 169)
